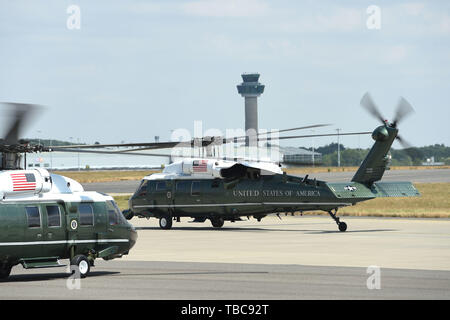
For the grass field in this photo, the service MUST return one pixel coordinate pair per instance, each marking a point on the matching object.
(300, 170)
(88, 176)
(434, 202)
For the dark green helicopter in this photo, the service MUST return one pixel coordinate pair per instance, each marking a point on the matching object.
(46, 217)
(221, 190)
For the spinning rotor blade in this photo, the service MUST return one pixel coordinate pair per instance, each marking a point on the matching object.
(301, 128)
(370, 106)
(202, 142)
(276, 131)
(404, 109)
(20, 113)
(270, 139)
(404, 143)
(412, 151)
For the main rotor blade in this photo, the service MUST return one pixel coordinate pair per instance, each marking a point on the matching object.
(318, 135)
(153, 145)
(227, 140)
(404, 109)
(56, 149)
(237, 139)
(20, 113)
(161, 155)
(198, 142)
(371, 107)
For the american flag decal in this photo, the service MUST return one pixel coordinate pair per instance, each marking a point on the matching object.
(23, 181)
(200, 165)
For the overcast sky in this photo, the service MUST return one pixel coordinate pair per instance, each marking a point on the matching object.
(136, 69)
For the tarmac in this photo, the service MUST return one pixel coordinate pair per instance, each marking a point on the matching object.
(289, 259)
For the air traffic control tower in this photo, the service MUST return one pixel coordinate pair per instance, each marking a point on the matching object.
(251, 89)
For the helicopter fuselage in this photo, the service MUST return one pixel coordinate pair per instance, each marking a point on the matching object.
(45, 218)
(232, 199)
(221, 191)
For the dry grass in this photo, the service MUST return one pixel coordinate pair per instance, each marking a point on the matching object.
(87, 176)
(434, 202)
(105, 176)
(302, 170)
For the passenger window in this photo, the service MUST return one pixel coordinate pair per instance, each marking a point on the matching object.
(33, 217)
(183, 186)
(195, 189)
(53, 216)
(86, 214)
(161, 186)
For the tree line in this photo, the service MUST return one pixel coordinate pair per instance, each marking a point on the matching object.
(400, 157)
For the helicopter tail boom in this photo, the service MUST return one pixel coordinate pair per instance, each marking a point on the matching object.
(377, 160)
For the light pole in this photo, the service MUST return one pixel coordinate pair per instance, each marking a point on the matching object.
(39, 143)
(78, 154)
(39, 136)
(339, 148)
(51, 157)
(312, 140)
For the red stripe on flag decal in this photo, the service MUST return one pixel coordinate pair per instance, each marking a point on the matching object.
(23, 182)
(200, 165)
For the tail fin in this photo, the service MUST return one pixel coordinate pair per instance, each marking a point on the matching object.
(373, 166)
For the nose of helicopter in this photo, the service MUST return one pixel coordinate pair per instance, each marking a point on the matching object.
(132, 236)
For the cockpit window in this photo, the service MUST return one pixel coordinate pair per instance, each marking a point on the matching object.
(115, 216)
(142, 190)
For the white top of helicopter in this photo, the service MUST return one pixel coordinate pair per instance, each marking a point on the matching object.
(40, 185)
(200, 168)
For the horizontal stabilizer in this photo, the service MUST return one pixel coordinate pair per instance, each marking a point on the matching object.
(394, 189)
(360, 191)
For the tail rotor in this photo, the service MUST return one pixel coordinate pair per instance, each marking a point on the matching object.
(403, 110)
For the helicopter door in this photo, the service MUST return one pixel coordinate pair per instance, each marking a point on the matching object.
(72, 222)
(34, 231)
(163, 196)
(182, 196)
(54, 228)
(196, 192)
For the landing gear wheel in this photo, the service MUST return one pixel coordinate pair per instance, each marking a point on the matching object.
(128, 214)
(342, 226)
(165, 223)
(83, 264)
(217, 222)
(4, 272)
